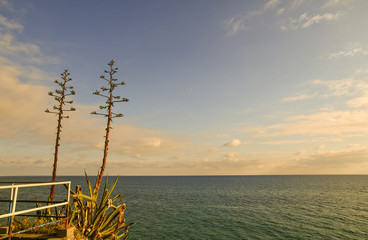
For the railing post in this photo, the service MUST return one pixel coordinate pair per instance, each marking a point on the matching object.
(67, 209)
(14, 201)
(10, 203)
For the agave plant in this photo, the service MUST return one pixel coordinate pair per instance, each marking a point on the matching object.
(99, 218)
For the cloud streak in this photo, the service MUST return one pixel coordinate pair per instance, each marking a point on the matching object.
(298, 97)
(9, 25)
(349, 53)
(335, 123)
(355, 89)
(305, 20)
(234, 25)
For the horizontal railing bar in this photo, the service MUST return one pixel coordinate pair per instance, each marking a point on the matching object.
(33, 209)
(2, 182)
(34, 185)
(32, 201)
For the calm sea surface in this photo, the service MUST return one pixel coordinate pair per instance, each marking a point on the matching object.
(237, 207)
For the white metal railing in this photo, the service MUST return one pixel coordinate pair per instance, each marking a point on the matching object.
(14, 196)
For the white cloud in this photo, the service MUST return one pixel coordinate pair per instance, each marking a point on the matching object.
(318, 18)
(349, 53)
(10, 25)
(21, 104)
(338, 123)
(358, 102)
(343, 87)
(305, 20)
(280, 11)
(10, 46)
(235, 24)
(358, 89)
(234, 143)
(21, 52)
(347, 87)
(298, 97)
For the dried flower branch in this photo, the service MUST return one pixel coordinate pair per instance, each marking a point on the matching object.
(60, 95)
(109, 104)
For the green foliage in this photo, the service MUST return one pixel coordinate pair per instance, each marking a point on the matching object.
(99, 218)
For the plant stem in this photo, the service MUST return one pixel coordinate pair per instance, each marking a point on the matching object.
(52, 191)
(106, 148)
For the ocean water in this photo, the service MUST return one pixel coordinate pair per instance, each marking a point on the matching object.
(239, 207)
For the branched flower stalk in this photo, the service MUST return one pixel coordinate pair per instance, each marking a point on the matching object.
(107, 93)
(59, 109)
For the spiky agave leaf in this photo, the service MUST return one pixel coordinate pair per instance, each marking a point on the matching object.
(115, 213)
(88, 183)
(105, 198)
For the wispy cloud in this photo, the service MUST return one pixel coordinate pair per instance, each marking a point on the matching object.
(289, 15)
(9, 25)
(353, 156)
(358, 102)
(347, 87)
(22, 52)
(349, 53)
(298, 97)
(305, 20)
(337, 123)
(235, 24)
(343, 87)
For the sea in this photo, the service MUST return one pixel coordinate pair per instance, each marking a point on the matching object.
(235, 207)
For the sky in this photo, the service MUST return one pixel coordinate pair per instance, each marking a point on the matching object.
(216, 87)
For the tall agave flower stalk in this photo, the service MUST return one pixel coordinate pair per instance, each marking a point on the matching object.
(59, 109)
(94, 217)
(107, 93)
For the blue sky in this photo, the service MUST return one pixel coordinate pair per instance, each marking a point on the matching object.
(215, 87)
